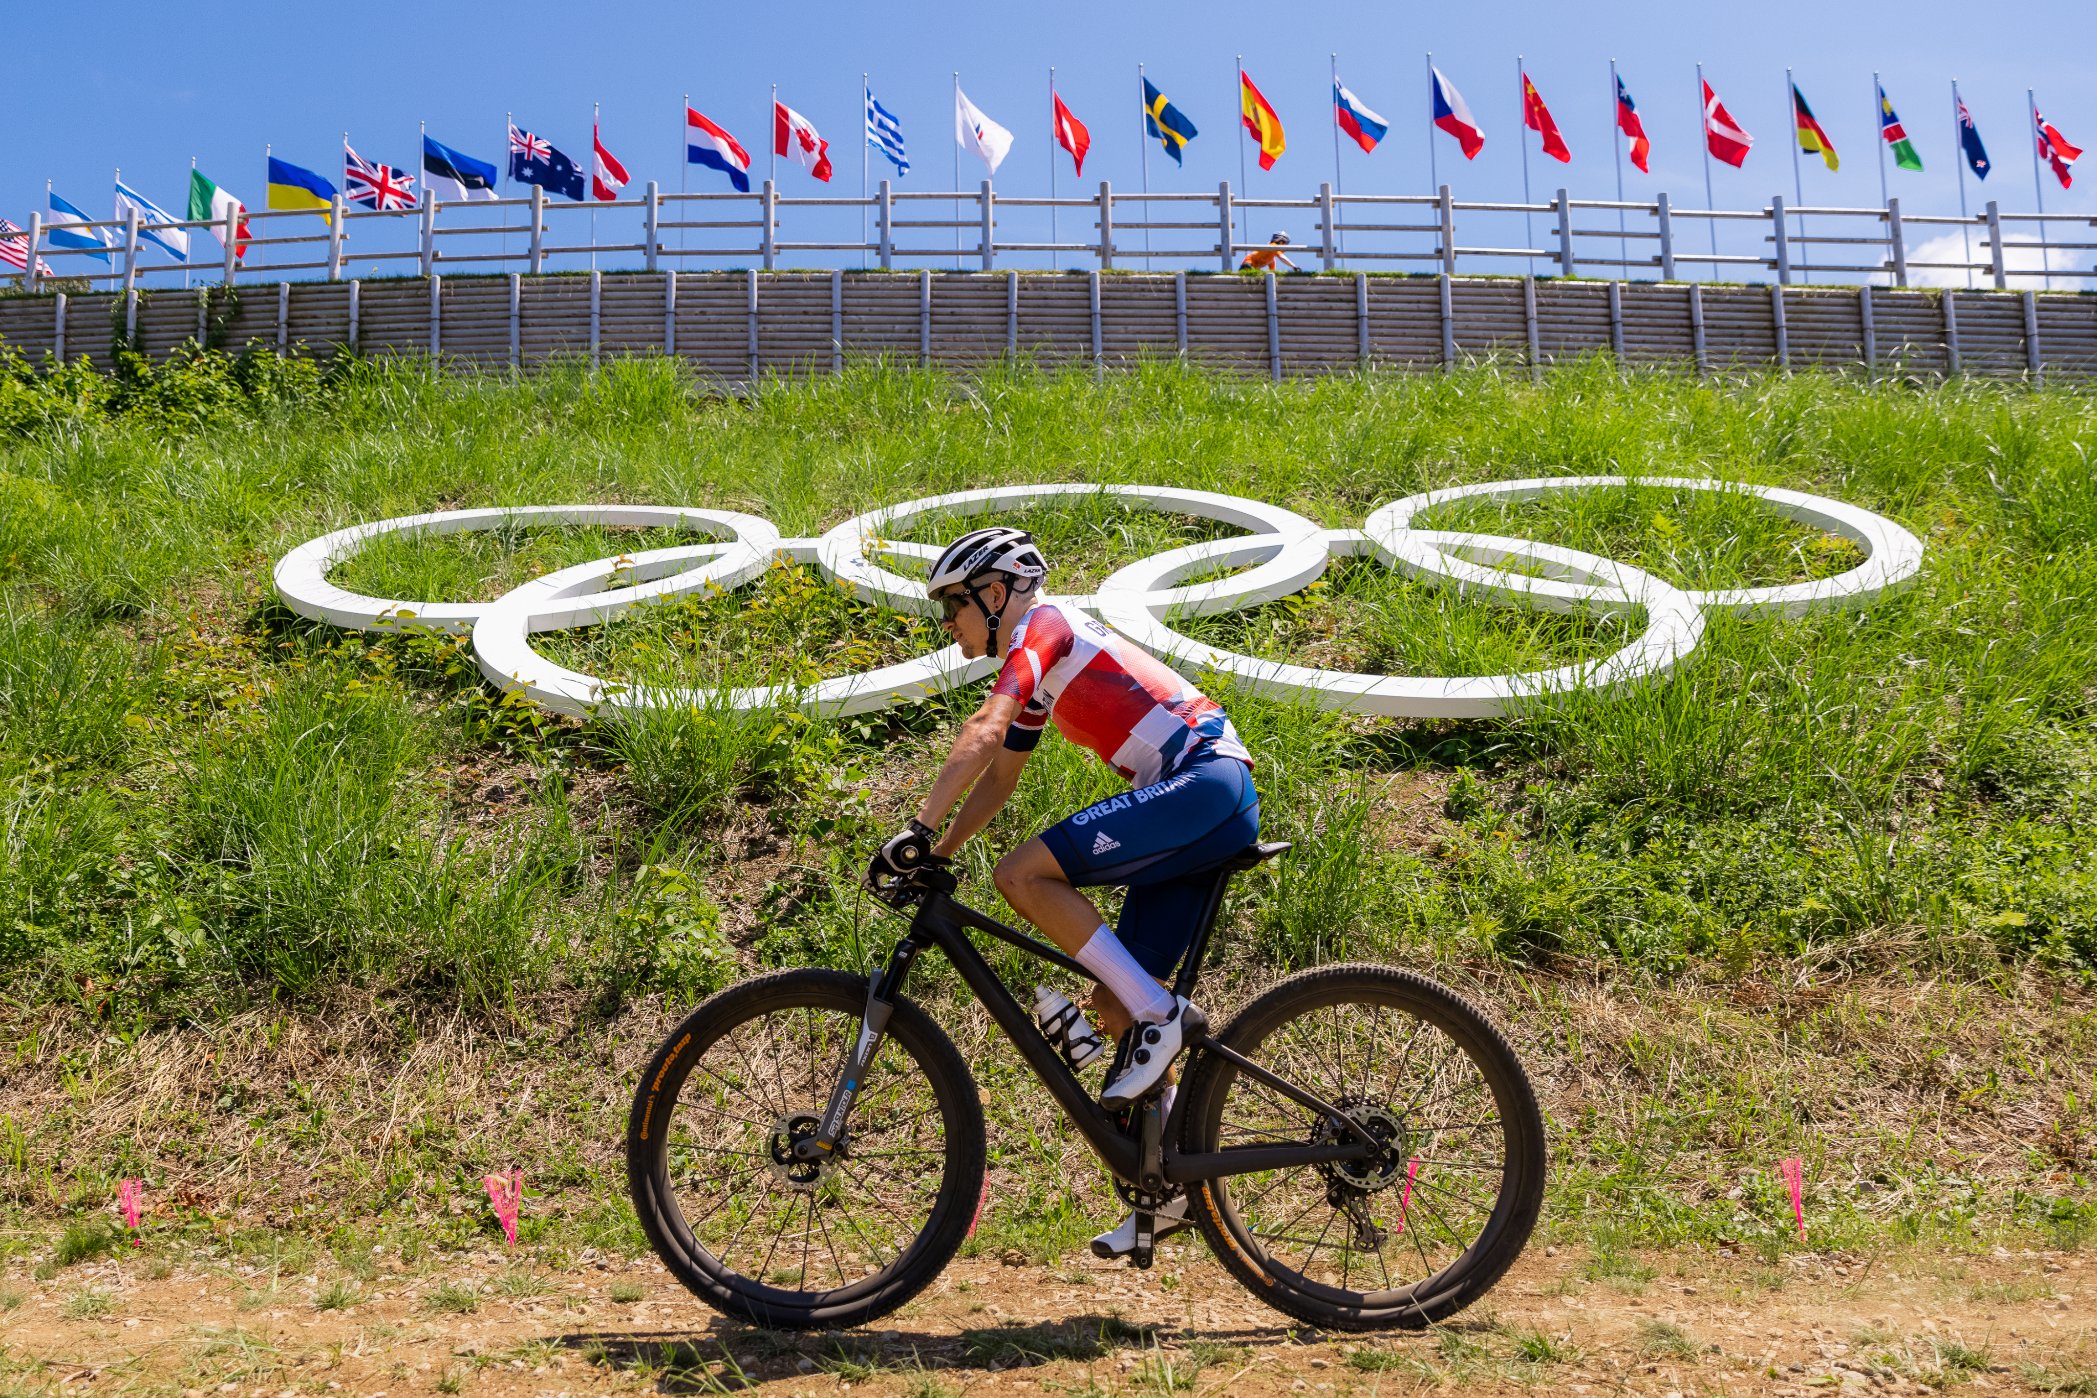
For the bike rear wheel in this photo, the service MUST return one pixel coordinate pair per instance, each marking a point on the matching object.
(1423, 1229)
(763, 1236)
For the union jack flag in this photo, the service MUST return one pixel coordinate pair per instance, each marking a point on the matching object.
(529, 146)
(376, 186)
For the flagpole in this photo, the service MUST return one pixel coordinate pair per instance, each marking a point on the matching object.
(1238, 99)
(1143, 104)
(1798, 182)
(593, 180)
(866, 146)
(1878, 117)
(2038, 188)
(193, 174)
(509, 124)
(774, 176)
(1616, 141)
(957, 172)
(1704, 116)
(1434, 179)
(1339, 188)
(1528, 219)
(684, 161)
(1958, 140)
(1055, 257)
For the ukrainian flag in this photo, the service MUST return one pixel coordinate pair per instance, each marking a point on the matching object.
(294, 187)
(1166, 122)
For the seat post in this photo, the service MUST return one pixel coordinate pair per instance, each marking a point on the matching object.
(1190, 964)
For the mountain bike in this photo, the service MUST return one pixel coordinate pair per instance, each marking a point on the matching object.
(1361, 1147)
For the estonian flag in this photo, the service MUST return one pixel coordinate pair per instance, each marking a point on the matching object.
(451, 176)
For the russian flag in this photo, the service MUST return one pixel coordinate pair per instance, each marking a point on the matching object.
(707, 144)
(1454, 117)
(1365, 126)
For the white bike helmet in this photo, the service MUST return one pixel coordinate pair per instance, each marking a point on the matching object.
(998, 553)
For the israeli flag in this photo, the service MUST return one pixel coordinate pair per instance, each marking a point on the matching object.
(885, 134)
(67, 228)
(155, 224)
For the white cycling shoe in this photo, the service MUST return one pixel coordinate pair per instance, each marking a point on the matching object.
(1120, 1242)
(1156, 1046)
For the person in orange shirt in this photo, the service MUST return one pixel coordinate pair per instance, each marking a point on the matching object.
(1263, 259)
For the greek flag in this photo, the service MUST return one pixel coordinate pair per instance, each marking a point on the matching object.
(885, 134)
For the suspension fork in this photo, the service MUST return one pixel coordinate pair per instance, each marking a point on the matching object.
(883, 987)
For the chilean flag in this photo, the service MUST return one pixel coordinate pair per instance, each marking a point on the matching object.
(1365, 126)
(707, 144)
(1454, 117)
(1634, 130)
(795, 135)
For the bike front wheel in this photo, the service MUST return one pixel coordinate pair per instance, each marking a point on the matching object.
(762, 1235)
(1411, 1235)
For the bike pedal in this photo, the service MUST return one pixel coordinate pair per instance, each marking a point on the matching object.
(1146, 1242)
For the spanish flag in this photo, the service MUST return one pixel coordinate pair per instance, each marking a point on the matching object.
(1260, 120)
(1811, 139)
(294, 187)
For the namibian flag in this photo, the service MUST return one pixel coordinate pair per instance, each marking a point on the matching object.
(1166, 122)
(1811, 139)
(1260, 119)
(295, 187)
(707, 144)
(1453, 115)
(1365, 126)
(1896, 136)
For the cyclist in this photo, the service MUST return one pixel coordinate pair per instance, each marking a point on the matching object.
(1263, 259)
(1191, 804)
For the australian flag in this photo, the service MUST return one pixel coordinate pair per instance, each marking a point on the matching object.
(533, 161)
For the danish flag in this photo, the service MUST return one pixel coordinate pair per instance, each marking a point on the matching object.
(1723, 136)
(795, 135)
(376, 186)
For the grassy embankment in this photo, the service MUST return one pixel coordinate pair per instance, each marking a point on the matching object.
(310, 929)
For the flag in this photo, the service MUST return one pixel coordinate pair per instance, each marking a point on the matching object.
(1896, 136)
(1537, 117)
(67, 228)
(207, 200)
(794, 135)
(978, 134)
(535, 161)
(1166, 122)
(885, 134)
(1811, 139)
(2055, 148)
(152, 220)
(1970, 141)
(375, 185)
(14, 250)
(707, 144)
(1365, 126)
(607, 175)
(1071, 134)
(295, 187)
(1454, 116)
(1260, 119)
(1627, 122)
(453, 176)
(1723, 136)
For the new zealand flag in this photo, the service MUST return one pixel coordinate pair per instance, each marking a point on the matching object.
(533, 161)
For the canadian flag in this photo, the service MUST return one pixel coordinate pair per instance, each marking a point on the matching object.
(1723, 135)
(794, 135)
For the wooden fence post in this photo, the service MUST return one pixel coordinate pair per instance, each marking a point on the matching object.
(538, 212)
(670, 313)
(436, 316)
(1106, 226)
(885, 216)
(2034, 357)
(1696, 329)
(1776, 222)
(596, 313)
(1868, 328)
(1776, 311)
(336, 234)
(1951, 332)
(36, 237)
(986, 204)
(769, 235)
(355, 310)
(1361, 317)
(1226, 227)
(837, 320)
(130, 251)
(58, 326)
(1529, 325)
(517, 320)
(429, 233)
(1616, 322)
(1664, 216)
(1099, 344)
(924, 317)
(1179, 309)
(1446, 208)
(1011, 313)
(1995, 253)
(1565, 233)
(283, 316)
(651, 222)
(1897, 240)
(1328, 249)
(1448, 317)
(1273, 330)
(750, 306)
(229, 241)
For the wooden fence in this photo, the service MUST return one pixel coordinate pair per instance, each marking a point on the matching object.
(740, 326)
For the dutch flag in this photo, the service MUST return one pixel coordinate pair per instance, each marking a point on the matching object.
(1454, 116)
(707, 144)
(1365, 126)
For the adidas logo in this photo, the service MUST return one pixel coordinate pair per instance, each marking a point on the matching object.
(1105, 842)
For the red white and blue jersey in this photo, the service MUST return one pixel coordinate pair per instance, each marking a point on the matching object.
(1104, 693)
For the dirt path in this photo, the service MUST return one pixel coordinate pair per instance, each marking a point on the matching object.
(1910, 1323)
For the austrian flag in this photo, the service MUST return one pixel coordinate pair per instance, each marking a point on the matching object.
(794, 135)
(607, 175)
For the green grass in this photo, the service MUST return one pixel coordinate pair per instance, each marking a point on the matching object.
(210, 809)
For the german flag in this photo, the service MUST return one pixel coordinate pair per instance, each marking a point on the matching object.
(1811, 139)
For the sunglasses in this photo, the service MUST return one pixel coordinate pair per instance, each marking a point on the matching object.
(950, 604)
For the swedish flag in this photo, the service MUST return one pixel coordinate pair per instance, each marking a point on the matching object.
(1166, 122)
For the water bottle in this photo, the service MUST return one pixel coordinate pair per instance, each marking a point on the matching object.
(1064, 1025)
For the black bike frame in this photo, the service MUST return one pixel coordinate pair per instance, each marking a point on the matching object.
(943, 922)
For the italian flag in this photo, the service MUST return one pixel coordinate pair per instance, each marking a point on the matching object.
(207, 200)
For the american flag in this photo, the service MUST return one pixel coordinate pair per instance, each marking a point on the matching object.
(376, 186)
(529, 146)
(14, 249)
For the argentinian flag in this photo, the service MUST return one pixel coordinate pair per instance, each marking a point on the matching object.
(67, 228)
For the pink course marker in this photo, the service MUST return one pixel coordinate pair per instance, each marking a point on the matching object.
(131, 1199)
(1794, 1171)
(1405, 1200)
(981, 1199)
(505, 1194)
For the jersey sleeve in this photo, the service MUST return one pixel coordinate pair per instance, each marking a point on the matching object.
(1044, 639)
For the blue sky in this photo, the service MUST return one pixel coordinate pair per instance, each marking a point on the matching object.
(159, 84)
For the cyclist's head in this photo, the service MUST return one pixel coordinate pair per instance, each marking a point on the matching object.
(1281, 238)
(992, 575)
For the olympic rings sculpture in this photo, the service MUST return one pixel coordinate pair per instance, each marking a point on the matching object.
(1279, 554)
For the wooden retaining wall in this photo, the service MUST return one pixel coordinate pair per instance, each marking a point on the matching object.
(740, 325)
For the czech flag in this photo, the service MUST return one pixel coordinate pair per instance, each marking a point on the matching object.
(1453, 115)
(1627, 122)
(1261, 120)
(707, 144)
(1365, 126)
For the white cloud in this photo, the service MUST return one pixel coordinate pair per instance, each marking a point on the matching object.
(2020, 253)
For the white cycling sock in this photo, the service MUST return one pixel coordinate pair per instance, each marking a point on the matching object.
(1171, 1091)
(1113, 967)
